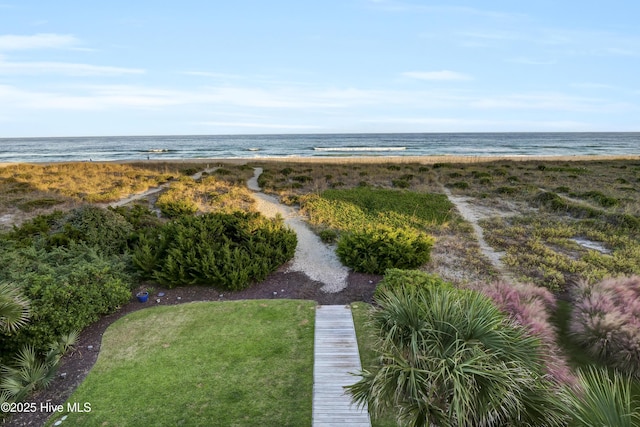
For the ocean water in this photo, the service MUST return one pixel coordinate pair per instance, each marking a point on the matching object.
(111, 148)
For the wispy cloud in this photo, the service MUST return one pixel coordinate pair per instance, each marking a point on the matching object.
(531, 61)
(63, 68)
(405, 6)
(437, 75)
(590, 85)
(465, 124)
(549, 102)
(11, 42)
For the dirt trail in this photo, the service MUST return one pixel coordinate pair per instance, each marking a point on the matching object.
(154, 190)
(471, 214)
(313, 258)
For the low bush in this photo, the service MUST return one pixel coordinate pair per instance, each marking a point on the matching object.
(606, 321)
(400, 183)
(601, 198)
(374, 249)
(328, 235)
(173, 203)
(395, 278)
(460, 185)
(69, 288)
(229, 251)
(104, 229)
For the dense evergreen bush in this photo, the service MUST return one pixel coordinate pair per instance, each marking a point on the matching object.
(69, 288)
(103, 229)
(225, 250)
(376, 248)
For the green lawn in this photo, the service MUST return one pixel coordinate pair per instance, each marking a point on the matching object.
(366, 346)
(204, 364)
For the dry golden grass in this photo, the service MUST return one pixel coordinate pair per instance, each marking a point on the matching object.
(27, 190)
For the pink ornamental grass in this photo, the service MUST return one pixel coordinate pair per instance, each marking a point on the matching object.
(531, 306)
(606, 321)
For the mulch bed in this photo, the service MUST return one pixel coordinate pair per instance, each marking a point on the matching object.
(279, 285)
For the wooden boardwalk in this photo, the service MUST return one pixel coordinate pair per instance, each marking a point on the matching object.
(335, 357)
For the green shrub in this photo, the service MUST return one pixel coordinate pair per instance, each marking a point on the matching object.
(174, 204)
(101, 228)
(506, 190)
(302, 178)
(229, 251)
(43, 203)
(460, 185)
(38, 226)
(400, 183)
(69, 288)
(395, 278)
(189, 171)
(601, 198)
(328, 236)
(374, 249)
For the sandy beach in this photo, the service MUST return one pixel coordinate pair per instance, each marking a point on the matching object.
(384, 159)
(426, 160)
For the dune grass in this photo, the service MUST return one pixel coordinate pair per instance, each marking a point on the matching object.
(215, 364)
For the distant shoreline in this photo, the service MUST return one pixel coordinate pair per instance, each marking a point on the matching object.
(355, 159)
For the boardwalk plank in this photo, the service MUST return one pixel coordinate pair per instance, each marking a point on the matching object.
(335, 358)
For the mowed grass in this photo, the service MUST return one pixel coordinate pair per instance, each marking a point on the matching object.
(366, 346)
(240, 363)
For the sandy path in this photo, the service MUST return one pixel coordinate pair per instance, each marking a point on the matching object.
(473, 215)
(312, 257)
(154, 190)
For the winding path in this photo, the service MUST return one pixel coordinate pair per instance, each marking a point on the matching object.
(154, 190)
(312, 257)
(470, 215)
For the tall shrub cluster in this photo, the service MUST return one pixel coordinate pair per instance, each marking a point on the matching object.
(606, 321)
(229, 251)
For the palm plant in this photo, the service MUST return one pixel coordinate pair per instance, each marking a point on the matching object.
(449, 357)
(14, 308)
(31, 372)
(601, 399)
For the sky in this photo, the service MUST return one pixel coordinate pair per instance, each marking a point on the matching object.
(81, 68)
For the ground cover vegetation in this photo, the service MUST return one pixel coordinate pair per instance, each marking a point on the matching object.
(556, 221)
(378, 228)
(27, 190)
(359, 202)
(449, 356)
(408, 329)
(68, 268)
(237, 363)
(559, 223)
